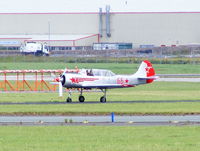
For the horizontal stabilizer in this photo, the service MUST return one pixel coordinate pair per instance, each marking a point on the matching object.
(148, 78)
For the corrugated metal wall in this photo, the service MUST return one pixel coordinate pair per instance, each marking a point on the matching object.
(137, 28)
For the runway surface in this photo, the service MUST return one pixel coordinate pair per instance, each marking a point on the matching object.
(179, 79)
(152, 120)
(94, 102)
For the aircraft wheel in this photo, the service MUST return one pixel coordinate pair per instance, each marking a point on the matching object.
(81, 98)
(103, 99)
(68, 100)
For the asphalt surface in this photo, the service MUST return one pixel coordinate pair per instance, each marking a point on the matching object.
(94, 102)
(100, 124)
(103, 118)
(179, 79)
(152, 120)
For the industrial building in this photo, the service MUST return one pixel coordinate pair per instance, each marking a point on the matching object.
(79, 29)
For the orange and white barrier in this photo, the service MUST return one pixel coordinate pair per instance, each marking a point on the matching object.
(29, 80)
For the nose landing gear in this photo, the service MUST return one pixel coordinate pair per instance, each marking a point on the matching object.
(69, 99)
(103, 98)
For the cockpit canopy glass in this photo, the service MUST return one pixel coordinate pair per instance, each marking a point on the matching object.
(99, 72)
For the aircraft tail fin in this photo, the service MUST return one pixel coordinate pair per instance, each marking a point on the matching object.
(146, 72)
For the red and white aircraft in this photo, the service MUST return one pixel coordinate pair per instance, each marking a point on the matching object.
(105, 79)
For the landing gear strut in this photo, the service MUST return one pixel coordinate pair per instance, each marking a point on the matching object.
(103, 98)
(69, 99)
(81, 97)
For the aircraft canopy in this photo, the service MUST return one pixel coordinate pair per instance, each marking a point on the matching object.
(99, 72)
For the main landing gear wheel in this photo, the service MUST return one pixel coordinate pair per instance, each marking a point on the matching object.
(103, 99)
(81, 98)
(68, 100)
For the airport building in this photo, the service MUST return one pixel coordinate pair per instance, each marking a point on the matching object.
(102, 27)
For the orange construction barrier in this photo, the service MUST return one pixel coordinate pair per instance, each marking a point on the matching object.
(27, 80)
(30, 80)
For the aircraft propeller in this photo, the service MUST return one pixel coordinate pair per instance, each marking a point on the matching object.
(58, 81)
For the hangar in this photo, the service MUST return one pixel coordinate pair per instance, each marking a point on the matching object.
(66, 24)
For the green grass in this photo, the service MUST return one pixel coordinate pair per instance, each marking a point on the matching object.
(100, 59)
(119, 68)
(98, 138)
(102, 109)
(156, 91)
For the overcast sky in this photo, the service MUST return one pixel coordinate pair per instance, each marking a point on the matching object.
(47, 6)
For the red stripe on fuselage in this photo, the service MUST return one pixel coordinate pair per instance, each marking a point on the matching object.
(127, 85)
(77, 80)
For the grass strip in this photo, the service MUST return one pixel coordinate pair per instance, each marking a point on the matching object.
(98, 138)
(158, 91)
(119, 68)
(103, 109)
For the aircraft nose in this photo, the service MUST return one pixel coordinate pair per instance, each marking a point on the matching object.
(62, 79)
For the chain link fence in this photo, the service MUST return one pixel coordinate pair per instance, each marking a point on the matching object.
(159, 55)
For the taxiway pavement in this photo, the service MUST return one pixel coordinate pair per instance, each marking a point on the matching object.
(150, 120)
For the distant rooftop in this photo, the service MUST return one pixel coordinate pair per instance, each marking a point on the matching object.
(73, 6)
(48, 37)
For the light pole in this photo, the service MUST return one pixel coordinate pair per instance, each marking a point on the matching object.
(49, 35)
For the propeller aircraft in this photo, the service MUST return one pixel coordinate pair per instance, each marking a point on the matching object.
(104, 80)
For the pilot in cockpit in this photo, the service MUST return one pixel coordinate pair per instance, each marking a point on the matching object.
(89, 73)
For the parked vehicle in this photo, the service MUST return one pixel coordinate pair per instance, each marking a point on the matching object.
(35, 48)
